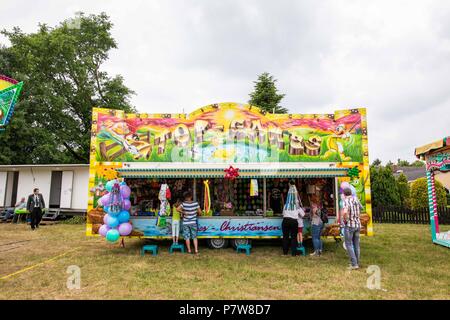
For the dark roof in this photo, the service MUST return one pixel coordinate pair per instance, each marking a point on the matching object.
(412, 173)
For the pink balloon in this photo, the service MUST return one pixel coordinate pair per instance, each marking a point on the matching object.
(105, 199)
(125, 191)
(105, 218)
(126, 204)
(345, 185)
(125, 228)
(103, 230)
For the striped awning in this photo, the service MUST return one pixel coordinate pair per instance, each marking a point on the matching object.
(243, 173)
(419, 151)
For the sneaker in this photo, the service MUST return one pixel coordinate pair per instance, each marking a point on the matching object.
(353, 267)
(315, 253)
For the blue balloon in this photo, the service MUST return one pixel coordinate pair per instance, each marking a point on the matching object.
(112, 235)
(123, 183)
(106, 209)
(123, 216)
(112, 222)
(109, 185)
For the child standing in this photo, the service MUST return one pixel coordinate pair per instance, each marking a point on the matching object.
(176, 222)
(300, 229)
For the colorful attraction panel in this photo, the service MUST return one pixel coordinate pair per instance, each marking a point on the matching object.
(9, 93)
(228, 134)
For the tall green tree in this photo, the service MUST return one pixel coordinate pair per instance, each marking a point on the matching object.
(61, 68)
(376, 162)
(265, 94)
(419, 194)
(403, 190)
(384, 187)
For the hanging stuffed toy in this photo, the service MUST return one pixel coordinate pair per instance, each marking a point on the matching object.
(164, 207)
(293, 202)
(207, 201)
(253, 188)
(115, 203)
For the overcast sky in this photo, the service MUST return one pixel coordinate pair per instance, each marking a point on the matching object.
(392, 57)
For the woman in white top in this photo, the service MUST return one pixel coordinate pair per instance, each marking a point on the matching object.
(292, 211)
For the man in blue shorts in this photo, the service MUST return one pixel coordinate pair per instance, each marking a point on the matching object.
(190, 209)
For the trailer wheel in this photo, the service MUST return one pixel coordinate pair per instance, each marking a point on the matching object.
(217, 243)
(236, 242)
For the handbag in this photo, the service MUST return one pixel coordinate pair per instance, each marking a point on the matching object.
(162, 222)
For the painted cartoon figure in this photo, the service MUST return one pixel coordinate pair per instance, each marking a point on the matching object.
(99, 190)
(359, 187)
(118, 131)
(335, 143)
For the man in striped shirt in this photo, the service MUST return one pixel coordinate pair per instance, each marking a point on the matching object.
(352, 227)
(190, 210)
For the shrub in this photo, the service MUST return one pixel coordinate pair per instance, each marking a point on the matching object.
(419, 194)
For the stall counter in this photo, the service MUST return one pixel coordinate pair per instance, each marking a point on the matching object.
(218, 227)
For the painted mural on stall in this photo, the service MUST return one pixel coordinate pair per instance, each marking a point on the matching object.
(229, 133)
(9, 93)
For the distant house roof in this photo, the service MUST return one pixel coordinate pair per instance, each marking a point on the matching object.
(411, 173)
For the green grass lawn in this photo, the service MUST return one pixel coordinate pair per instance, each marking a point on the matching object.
(411, 268)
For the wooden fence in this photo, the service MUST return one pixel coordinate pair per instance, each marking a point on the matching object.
(405, 215)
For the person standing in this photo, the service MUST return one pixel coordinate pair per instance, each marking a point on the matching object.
(316, 230)
(35, 204)
(176, 222)
(191, 209)
(292, 211)
(352, 227)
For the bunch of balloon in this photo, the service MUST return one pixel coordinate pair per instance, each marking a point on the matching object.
(116, 203)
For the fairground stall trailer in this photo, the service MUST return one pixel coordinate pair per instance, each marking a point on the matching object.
(437, 158)
(191, 152)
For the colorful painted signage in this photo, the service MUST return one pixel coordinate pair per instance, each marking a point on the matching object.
(229, 133)
(9, 93)
(218, 227)
(439, 161)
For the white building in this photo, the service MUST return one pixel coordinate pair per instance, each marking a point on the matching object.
(63, 186)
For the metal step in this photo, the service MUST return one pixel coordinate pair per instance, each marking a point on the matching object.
(51, 215)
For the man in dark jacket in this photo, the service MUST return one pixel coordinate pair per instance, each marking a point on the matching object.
(35, 205)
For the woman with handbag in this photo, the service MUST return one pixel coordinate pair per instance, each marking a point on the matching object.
(292, 211)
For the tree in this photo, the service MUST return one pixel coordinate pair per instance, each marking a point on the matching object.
(418, 164)
(403, 190)
(390, 164)
(403, 163)
(63, 80)
(376, 162)
(265, 94)
(384, 187)
(419, 194)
